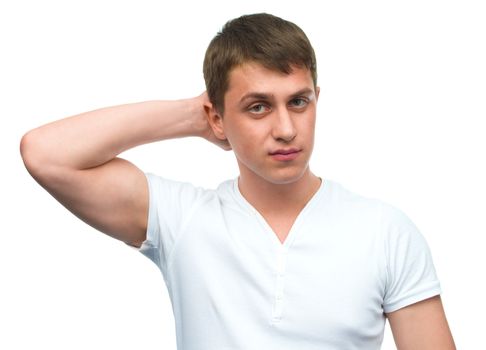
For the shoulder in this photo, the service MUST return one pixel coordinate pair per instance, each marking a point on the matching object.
(341, 201)
(169, 189)
(376, 216)
(341, 197)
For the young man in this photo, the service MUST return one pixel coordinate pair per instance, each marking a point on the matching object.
(277, 258)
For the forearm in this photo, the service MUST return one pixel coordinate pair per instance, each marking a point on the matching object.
(93, 138)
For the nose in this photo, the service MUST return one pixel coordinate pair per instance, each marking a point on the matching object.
(284, 128)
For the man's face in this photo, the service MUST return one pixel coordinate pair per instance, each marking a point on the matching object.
(267, 115)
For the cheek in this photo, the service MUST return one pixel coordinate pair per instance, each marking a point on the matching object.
(243, 144)
(309, 126)
(245, 140)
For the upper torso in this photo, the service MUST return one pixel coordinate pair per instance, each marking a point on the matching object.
(235, 283)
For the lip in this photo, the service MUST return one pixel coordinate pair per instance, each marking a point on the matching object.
(285, 154)
(285, 151)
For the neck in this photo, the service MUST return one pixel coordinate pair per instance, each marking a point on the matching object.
(271, 198)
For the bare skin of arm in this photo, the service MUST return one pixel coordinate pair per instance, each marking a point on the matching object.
(75, 159)
(421, 326)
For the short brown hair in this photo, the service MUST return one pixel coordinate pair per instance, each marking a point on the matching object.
(263, 38)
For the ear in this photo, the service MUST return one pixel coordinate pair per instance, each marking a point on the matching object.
(215, 120)
(318, 90)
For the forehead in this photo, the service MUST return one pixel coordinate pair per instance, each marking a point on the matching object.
(254, 77)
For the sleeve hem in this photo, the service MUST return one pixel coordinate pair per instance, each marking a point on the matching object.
(431, 291)
(149, 246)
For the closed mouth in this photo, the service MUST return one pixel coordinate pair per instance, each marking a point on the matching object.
(285, 151)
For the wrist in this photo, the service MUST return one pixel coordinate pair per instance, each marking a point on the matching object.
(198, 123)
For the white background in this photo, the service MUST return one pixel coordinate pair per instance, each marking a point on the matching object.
(401, 112)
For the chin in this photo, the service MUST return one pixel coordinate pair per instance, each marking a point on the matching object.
(285, 178)
(278, 176)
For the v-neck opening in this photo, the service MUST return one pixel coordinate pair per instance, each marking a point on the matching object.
(295, 225)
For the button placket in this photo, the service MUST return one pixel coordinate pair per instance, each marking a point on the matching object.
(279, 287)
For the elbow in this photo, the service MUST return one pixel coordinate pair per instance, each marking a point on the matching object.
(26, 150)
(30, 151)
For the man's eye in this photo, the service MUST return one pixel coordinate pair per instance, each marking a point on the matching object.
(298, 102)
(259, 108)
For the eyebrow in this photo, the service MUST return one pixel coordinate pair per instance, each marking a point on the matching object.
(266, 96)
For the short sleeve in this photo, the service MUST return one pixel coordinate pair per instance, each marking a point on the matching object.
(171, 204)
(410, 272)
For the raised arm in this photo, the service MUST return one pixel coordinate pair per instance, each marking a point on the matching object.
(75, 159)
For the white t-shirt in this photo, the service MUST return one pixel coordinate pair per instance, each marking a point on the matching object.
(233, 285)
